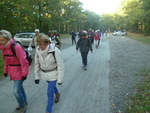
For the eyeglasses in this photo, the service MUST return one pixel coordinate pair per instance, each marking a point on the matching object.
(42, 44)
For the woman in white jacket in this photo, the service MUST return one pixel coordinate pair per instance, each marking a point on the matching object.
(49, 66)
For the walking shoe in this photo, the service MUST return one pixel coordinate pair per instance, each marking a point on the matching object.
(96, 46)
(22, 109)
(85, 67)
(18, 107)
(57, 95)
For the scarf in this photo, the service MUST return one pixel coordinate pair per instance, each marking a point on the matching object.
(43, 52)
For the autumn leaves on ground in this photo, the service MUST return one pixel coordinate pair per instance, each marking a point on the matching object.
(139, 102)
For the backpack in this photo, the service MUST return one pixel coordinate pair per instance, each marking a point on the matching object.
(56, 36)
(28, 55)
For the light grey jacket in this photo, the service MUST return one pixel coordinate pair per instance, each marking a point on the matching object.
(48, 63)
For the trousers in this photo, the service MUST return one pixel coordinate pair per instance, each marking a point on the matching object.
(19, 92)
(73, 40)
(84, 57)
(51, 90)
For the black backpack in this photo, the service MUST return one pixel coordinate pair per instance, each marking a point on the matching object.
(56, 38)
(28, 55)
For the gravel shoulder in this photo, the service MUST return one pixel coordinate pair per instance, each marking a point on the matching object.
(127, 59)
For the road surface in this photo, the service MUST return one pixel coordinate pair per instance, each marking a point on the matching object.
(83, 91)
(113, 69)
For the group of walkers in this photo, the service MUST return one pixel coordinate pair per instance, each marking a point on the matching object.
(85, 42)
(94, 37)
(48, 62)
(48, 65)
(52, 35)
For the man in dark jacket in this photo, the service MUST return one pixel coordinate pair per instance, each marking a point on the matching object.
(84, 45)
(73, 37)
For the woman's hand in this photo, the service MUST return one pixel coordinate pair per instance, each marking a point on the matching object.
(37, 81)
(5, 74)
(59, 83)
(24, 78)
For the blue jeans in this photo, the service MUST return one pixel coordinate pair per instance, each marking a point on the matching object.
(19, 92)
(51, 89)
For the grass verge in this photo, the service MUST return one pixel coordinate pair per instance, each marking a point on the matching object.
(139, 37)
(64, 35)
(1, 66)
(140, 101)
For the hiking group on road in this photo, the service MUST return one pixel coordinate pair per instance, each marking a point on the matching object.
(48, 62)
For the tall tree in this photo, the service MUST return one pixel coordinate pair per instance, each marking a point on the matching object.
(146, 15)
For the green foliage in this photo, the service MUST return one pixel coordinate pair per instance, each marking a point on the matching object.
(65, 15)
(141, 38)
(132, 16)
(61, 15)
(107, 23)
(64, 35)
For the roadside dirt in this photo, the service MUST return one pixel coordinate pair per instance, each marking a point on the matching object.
(127, 59)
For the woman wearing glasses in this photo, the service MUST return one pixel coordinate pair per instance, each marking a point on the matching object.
(49, 66)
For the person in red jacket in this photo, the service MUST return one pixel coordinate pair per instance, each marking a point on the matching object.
(96, 38)
(15, 67)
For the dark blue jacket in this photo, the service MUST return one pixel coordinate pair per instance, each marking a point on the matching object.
(73, 34)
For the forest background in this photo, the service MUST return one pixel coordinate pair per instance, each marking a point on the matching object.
(65, 15)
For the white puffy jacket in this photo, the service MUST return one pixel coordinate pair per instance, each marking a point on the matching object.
(48, 63)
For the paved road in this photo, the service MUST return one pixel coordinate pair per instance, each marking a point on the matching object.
(82, 91)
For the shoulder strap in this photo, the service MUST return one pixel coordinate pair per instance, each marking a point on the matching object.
(56, 37)
(13, 50)
(53, 53)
